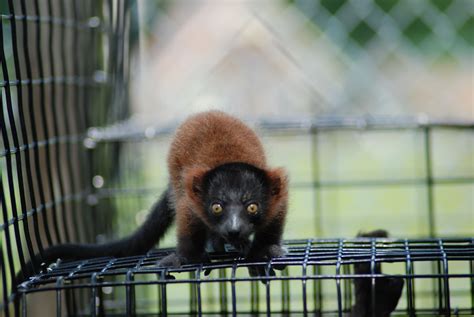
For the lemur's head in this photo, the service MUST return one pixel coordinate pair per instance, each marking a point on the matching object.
(236, 198)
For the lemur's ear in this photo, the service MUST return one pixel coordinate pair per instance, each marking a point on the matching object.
(193, 179)
(278, 181)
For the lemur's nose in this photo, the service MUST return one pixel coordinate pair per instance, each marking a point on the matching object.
(233, 234)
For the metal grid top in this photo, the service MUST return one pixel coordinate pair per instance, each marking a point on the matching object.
(301, 253)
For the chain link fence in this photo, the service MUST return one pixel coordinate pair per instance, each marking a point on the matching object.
(307, 58)
(412, 55)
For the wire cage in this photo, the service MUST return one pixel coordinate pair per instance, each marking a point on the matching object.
(317, 272)
(65, 72)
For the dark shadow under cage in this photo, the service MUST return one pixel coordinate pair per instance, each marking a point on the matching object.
(65, 69)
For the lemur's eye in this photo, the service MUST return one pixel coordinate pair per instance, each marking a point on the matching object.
(217, 208)
(252, 209)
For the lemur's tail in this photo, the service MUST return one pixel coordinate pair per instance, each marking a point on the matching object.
(143, 239)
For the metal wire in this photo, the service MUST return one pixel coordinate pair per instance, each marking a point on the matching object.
(330, 254)
(49, 93)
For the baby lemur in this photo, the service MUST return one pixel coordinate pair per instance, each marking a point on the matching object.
(221, 191)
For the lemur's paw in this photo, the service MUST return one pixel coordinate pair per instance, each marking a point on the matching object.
(171, 261)
(270, 252)
(277, 251)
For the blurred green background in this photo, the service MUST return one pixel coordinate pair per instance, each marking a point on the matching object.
(343, 182)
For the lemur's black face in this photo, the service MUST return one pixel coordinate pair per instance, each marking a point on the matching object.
(236, 198)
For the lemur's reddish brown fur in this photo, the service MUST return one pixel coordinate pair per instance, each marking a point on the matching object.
(205, 141)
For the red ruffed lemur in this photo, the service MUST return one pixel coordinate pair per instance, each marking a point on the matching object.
(221, 191)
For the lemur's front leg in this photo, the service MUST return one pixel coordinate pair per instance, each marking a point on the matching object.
(266, 245)
(191, 236)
